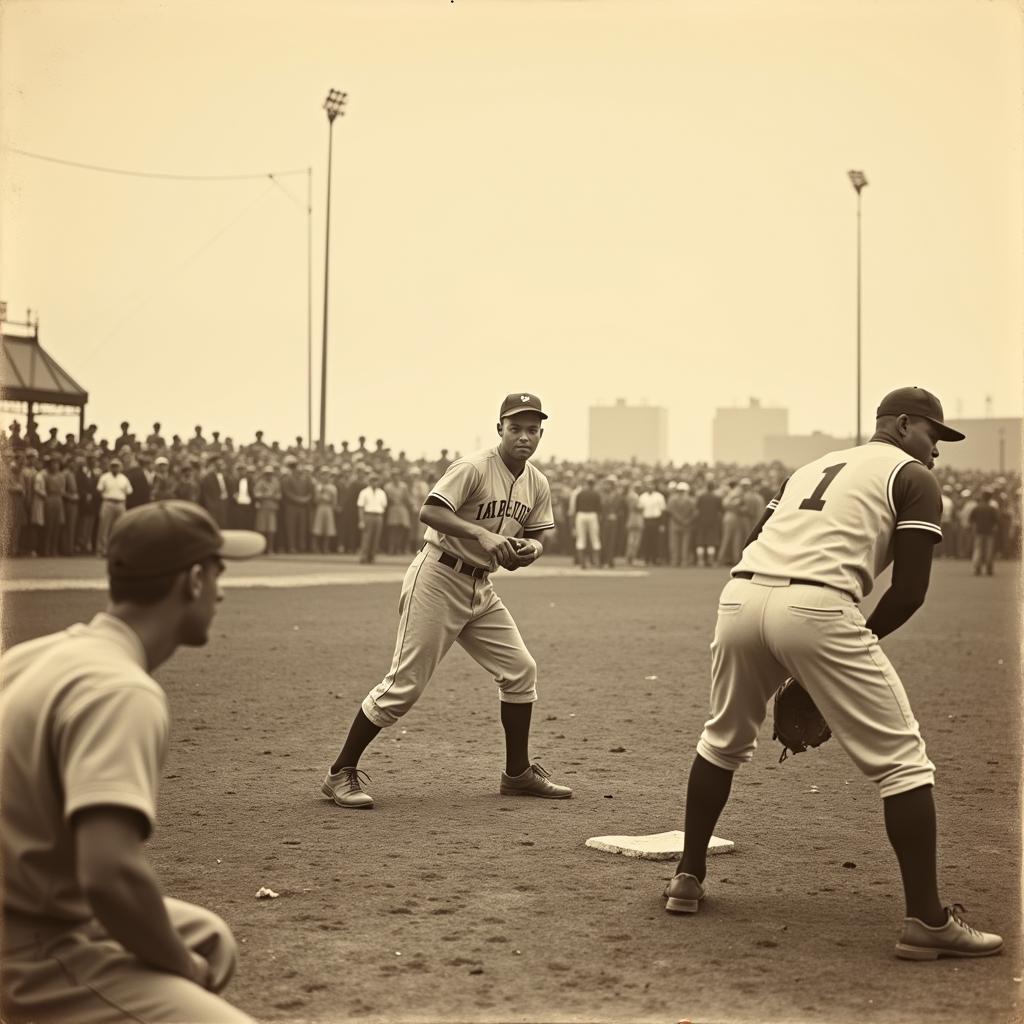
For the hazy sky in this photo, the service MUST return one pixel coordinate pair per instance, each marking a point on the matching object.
(589, 200)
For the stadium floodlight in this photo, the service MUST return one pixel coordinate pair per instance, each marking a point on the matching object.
(334, 105)
(858, 179)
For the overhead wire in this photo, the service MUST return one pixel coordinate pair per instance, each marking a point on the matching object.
(153, 174)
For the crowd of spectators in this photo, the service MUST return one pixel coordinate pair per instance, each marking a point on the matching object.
(63, 496)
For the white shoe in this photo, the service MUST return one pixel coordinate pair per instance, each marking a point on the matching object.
(345, 789)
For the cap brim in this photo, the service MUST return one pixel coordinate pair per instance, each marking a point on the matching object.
(524, 408)
(241, 544)
(946, 432)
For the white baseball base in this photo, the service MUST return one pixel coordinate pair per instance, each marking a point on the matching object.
(659, 846)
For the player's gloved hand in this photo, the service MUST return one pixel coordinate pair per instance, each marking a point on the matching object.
(797, 722)
(499, 548)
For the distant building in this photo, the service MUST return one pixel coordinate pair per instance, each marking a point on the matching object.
(991, 445)
(794, 450)
(739, 434)
(623, 432)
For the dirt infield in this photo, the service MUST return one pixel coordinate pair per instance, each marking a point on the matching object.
(450, 903)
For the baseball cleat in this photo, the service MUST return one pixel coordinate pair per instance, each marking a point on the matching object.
(683, 894)
(920, 941)
(345, 790)
(533, 782)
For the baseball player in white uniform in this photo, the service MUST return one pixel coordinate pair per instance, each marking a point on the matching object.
(488, 509)
(791, 609)
(87, 936)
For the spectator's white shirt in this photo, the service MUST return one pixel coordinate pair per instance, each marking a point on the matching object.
(372, 499)
(114, 487)
(652, 504)
(947, 509)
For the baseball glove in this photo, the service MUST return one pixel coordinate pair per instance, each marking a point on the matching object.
(798, 724)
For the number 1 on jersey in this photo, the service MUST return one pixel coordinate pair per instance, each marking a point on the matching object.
(814, 502)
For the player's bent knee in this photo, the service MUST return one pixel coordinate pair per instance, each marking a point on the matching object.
(728, 760)
(904, 780)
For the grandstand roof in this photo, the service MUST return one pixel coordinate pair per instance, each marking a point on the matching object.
(28, 373)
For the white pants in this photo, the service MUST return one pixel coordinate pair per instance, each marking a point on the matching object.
(767, 630)
(438, 607)
(588, 530)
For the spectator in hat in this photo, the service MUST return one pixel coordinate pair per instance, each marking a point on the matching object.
(613, 520)
(372, 504)
(187, 487)
(155, 440)
(325, 498)
(241, 510)
(634, 523)
(587, 523)
(682, 511)
(164, 485)
(39, 505)
(707, 528)
(965, 532)
(398, 515)
(29, 469)
(141, 476)
(984, 523)
(86, 476)
(214, 491)
(297, 492)
(88, 935)
(14, 503)
(266, 494)
(113, 488)
(652, 506)
(197, 443)
(69, 531)
(126, 439)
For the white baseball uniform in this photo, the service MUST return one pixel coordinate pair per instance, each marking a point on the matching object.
(447, 595)
(791, 610)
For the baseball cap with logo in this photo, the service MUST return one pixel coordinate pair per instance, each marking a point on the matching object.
(520, 401)
(164, 537)
(918, 402)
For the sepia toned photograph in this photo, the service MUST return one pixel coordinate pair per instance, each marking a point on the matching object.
(511, 511)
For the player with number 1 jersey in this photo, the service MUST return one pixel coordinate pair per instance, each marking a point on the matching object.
(791, 610)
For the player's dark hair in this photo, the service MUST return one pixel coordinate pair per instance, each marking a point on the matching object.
(149, 590)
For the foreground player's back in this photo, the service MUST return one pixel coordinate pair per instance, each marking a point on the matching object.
(834, 519)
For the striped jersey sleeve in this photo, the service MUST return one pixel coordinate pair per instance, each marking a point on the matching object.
(456, 485)
(916, 499)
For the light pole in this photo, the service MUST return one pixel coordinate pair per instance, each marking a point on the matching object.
(334, 105)
(858, 179)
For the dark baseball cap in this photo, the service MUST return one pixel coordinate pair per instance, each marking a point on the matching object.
(520, 401)
(918, 402)
(164, 537)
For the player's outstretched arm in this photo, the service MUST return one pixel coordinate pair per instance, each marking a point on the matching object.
(123, 891)
(911, 574)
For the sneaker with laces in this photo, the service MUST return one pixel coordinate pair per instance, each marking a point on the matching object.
(683, 894)
(956, 937)
(345, 788)
(533, 782)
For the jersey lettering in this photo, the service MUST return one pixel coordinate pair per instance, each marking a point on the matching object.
(815, 503)
(503, 509)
